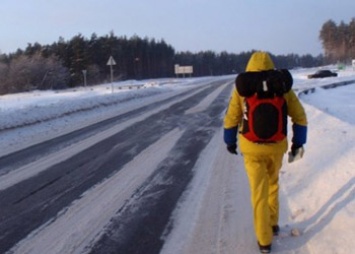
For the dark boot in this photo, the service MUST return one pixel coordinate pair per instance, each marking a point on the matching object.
(264, 248)
(275, 229)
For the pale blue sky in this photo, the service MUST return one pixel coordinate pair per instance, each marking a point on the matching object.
(277, 26)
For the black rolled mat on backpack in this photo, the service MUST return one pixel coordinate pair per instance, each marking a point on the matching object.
(270, 82)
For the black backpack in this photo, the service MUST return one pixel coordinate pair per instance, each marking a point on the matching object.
(265, 115)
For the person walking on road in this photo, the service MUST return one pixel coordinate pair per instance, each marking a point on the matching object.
(261, 132)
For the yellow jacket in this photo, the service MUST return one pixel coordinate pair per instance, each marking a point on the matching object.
(261, 61)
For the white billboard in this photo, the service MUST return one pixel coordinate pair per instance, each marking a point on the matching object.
(183, 69)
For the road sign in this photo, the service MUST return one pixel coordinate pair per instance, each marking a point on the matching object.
(111, 61)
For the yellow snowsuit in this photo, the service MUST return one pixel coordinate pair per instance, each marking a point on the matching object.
(263, 161)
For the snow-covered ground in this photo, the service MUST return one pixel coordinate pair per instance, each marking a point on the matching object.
(317, 192)
(47, 114)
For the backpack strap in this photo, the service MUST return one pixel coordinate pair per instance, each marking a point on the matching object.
(268, 83)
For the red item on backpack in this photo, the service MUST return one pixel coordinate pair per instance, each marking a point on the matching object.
(265, 119)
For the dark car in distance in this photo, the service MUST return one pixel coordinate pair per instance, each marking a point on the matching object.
(323, 74)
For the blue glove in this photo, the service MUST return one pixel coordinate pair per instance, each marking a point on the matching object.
(299, 135)
(230, 138)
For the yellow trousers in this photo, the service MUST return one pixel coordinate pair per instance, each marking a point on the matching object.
(263, 173)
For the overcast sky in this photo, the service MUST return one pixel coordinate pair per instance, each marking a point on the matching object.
(277, 26)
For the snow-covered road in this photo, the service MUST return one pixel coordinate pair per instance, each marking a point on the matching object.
(55, 191)
(159, 179)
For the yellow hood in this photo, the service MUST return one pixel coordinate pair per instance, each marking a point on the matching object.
(260, 61)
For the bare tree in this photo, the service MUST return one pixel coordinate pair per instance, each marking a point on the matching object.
(328, 36)
(36, 72)
(338, 40)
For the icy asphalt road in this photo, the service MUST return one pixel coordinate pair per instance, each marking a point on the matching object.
(111, 187)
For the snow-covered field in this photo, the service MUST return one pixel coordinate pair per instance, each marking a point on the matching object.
(317, 192)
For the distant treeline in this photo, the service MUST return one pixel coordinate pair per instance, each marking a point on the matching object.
(61, 64)
(338, 40)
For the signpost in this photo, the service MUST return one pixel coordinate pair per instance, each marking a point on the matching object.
(84, 73)
(111, 62)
